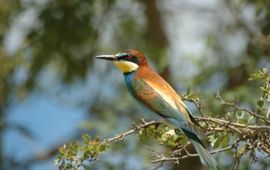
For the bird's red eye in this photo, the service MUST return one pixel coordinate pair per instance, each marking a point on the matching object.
(128, 57)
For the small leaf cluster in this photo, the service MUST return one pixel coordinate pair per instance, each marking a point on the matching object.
(76, 155)
(219, 140)
(163, 134)
(263, 77)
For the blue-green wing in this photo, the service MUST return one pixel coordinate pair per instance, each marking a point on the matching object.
(153, 100)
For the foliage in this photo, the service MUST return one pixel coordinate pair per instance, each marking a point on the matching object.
(76, 155)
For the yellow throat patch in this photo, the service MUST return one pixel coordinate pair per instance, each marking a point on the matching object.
(126, 66)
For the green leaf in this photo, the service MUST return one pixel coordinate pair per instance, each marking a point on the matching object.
(260, 103)
(96, 139)
(225, 140)
(103, 147)
(86, 138)
(86, 155)
(62, 149)
(56, 161)
(241, 151)
(250, 119)
(213, 140)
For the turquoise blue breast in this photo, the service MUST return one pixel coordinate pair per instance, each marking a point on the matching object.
(128, 79)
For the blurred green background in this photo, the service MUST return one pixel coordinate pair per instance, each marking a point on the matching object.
(52, 90)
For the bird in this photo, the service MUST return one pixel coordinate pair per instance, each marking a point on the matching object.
(150, 89)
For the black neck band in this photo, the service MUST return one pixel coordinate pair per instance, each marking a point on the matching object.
(128, 73)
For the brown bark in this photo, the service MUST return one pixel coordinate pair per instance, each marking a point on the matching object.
(155, 30)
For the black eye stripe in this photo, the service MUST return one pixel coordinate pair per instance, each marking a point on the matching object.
(129, 57)
(133, 59)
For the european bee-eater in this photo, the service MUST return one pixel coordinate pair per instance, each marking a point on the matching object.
(155, 93)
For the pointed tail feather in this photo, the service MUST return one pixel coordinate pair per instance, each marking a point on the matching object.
(205, 157)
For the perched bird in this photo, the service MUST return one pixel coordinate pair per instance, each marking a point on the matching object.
(155, 93)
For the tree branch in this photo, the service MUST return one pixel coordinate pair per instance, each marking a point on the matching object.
(231, 124)
(129, 132)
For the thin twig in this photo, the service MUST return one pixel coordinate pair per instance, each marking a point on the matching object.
(129, 132)
(166, 159)
(236, 163)
(238, 125)
(268, 112)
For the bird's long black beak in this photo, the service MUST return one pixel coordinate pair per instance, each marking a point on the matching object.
(107, 57)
